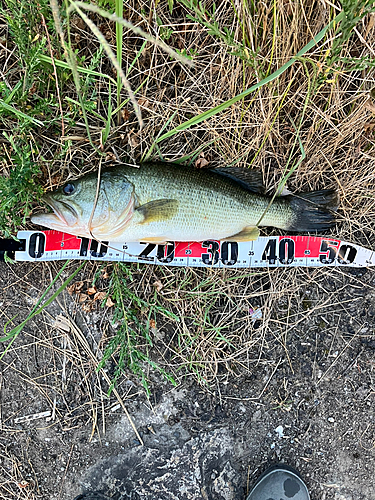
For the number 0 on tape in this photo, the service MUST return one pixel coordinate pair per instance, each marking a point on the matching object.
(275, 251)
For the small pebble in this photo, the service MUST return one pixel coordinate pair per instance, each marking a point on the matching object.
(280, 431)
(331, 419)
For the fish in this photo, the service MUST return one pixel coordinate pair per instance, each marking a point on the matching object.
(158, 202)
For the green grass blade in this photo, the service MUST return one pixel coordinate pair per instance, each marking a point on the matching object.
(136, 57)
(115, 111)
(147, 155)
(218, 109)
(18, 113)
(91, 111)
(119, 9)
(107, 129)
(17, 87)
(15, 331)
(80, 69)
(194, 154)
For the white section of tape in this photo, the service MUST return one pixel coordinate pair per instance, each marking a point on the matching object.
(275, 251)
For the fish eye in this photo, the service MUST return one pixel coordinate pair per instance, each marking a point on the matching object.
(68, 189)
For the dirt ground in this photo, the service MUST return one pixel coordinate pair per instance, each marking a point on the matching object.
(303, 395)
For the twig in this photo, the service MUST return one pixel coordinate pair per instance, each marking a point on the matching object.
(66, 470)
(339, 356)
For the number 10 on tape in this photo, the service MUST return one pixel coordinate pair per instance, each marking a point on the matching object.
(278, 251)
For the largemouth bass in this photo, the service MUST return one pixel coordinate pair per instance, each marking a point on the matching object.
(160, 202)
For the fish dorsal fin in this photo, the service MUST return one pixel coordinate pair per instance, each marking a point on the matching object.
(157, 210)
(251, 180)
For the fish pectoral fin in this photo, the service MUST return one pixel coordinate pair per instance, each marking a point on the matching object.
(157, 210)
(249, 233)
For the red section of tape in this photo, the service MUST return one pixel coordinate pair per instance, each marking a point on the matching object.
(55, 241)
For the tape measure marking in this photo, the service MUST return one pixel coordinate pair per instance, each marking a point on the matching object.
(275, 251)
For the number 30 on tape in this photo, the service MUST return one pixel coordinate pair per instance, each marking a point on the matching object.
(279, 251)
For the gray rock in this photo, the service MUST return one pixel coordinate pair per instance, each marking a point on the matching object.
(201, 468)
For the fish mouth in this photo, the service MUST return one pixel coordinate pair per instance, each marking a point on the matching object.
(63, 216)
(64, 211)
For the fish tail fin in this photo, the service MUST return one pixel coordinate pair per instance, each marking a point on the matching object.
(314, 211)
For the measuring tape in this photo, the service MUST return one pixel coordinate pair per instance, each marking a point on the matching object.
(274, 251)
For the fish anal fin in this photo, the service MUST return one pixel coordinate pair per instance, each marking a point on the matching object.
(158, 240)
(157, 210)
(249, 233)
(249, 179)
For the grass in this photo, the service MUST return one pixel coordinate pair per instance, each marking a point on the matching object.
(39, 307)
(131, 329)
(285, 88)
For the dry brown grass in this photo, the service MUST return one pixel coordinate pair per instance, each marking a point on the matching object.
(13, 483)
